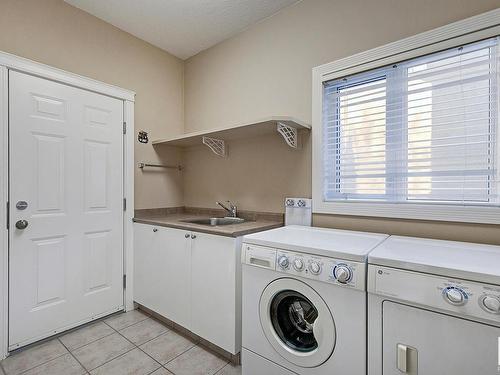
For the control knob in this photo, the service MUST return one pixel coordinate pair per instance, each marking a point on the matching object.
(298, 264)
(490, 304)
(315, 268)
(455, 296)
(342, 273)
(283, 262)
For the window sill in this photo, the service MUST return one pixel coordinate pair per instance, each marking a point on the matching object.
(411, 211)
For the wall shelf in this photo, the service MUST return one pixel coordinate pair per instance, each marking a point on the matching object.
(254, 129)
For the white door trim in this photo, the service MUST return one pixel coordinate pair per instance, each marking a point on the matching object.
(4, 234)
(11, 62)
(45, 71)
(128, 191)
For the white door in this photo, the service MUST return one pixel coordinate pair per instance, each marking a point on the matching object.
(66, 163)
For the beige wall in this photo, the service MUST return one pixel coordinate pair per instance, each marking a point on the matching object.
(247, 176)
(266, 71)
(263, 71)
(57, 34)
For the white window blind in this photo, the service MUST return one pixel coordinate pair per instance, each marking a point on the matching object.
(423, 130)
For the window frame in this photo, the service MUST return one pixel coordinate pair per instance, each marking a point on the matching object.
(467, 31)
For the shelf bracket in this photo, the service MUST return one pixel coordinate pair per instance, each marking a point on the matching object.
(289, 134)
(218, 146)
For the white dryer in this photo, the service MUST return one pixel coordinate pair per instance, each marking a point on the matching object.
(304, 301)
(434, 308)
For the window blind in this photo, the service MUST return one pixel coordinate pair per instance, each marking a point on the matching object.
(423, 130)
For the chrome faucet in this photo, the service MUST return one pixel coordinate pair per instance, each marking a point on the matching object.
(233, 210)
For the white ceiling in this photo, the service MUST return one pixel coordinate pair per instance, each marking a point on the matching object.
(182, 27)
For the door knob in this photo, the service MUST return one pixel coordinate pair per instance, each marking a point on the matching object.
(21, 224)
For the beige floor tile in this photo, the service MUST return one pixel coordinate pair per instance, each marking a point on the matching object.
(144, 331)
(161, 371)
(124, 320)
(86, 335)
(65, 365)
(32, 357)
(103, 350)
(167, 346)
(196, 361)
(230, 369)
(135, 362)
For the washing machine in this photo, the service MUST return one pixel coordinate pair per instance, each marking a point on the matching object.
(304, 301)
(433, 308)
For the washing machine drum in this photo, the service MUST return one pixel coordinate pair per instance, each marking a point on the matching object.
(297, 322)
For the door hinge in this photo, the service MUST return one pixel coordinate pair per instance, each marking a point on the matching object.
(124, 127)
(124, 204)
(124, 281)
(8, 215)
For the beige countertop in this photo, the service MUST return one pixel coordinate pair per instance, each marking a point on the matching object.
(176, 218)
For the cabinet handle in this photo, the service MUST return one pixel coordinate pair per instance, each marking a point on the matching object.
(193, 236)
(186, 235)
(155, 230)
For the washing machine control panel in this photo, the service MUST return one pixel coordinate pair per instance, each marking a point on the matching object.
(339, 272)
(464, 297)
(348, 274)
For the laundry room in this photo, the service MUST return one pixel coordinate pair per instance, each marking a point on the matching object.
(256, 187)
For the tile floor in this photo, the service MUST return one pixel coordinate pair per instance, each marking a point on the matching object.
(131, 343)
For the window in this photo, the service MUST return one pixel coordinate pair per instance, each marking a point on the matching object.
(422, 131)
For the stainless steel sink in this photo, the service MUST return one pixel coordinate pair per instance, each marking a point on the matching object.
(214, 221)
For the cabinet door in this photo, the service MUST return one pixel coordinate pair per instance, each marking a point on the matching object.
(214, 261)
(162, 269)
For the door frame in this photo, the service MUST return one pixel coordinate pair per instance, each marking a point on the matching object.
(15, 63)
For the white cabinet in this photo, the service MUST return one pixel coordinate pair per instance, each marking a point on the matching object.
(191, 278)
(162, 271)
(215, 289)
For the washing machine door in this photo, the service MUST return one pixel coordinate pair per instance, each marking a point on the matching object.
(297, 322)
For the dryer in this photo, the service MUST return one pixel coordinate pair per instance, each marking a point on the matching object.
(304, 301)
(433, 308)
